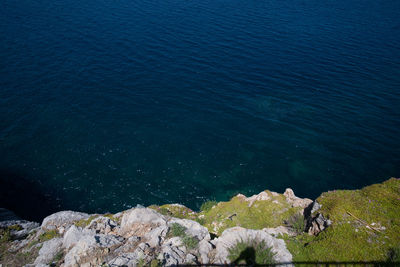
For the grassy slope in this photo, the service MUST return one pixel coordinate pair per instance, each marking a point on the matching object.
(349, 239)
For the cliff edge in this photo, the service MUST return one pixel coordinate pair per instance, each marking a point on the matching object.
(340, 225)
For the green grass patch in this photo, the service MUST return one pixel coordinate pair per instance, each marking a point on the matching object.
(85, 222)
(239, 212)
(177, 211)
(190, 242)
(251, 253)
(355, 214)
(296, 223)
(177, 230)
(47, 236)
(206, 206)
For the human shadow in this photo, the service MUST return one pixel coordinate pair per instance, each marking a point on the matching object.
(247, 257)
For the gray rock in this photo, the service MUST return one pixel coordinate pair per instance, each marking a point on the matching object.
(156, 236)
(91, 250)
(204, 249)
(27, 228)
(102, 225)
(192, 228)
(48, 251)
(125, 259)
(142, 216)
(173, 252)
(71, 237)
(230, 237)
(280, 230)
(190, 259)
(315, 221)
(143, 253)
(296, 201)
(62, 219)
(128, 245)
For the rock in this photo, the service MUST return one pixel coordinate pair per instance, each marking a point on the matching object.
(230, 237)
(261, 196)
(62, 219)
(204, 248)
(140, 216)
(27, 228)
(49, 250)
(192, 228)
(172, 252)
(317, 224)
(90, 250)
(315, 221)
(128, 245)
(71, 237)
(125, 259)
(102, 225)
(156, 236)
(280, 230)
(190, 259)
(143, 253)
(296, 201)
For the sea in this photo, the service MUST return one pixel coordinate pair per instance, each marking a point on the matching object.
(109, 104)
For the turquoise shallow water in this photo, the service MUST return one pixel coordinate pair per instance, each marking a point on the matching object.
(109, 104)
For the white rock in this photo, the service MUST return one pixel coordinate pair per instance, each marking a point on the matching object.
(49, 250)
(156, 236)
(172, 255)
(230, 237)
(90, 250)
(140, 215)
(296, 201)
(71, 237)
(62, 219)
(261, 196)
(190, 259)
(102, 225)
(280, 230)
(125, 259)
(204, 248)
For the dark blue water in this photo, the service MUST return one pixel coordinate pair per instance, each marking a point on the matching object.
(108, 104)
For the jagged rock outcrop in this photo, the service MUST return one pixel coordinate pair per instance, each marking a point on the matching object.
(315, 221)
(296, 201)
(62, 220)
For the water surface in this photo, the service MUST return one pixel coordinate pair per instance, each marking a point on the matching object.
(108, 104)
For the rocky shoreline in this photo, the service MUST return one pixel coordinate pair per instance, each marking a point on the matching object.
(261, 229)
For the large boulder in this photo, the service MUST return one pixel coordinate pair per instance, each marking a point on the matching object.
(140, 216)
(62, 219)
(230, 237)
